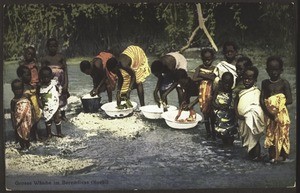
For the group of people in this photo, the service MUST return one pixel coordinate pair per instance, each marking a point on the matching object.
(227, 94)
(231, 102)
(39, 92)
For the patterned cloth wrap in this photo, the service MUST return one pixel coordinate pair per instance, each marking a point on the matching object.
(205, 93)
(252, 128)
(22, 117)
(139, 64)
(31, 94)
(225, 124)
(277, 131)
(59, 76)
(50, 99)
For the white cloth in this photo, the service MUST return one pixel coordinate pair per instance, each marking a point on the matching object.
(253, 127)
(222, 67)
(181, 62)
(50, 99)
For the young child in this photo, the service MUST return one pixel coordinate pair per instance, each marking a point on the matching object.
(204, 76)
(103, 80)
(241, 64)
(163, 69)
(24, 73)
(230, 51)
(250, 114)
(30, 61)
(191, 89)
(57, 62)
(21, 114)
(132, 69)
(224, 119)
(275, 95)
(49, 98)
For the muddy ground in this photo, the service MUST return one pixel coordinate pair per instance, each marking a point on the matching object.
(102, 153)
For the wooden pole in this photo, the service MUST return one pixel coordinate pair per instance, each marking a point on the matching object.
(203, 27)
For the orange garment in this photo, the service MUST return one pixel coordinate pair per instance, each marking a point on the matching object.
(112, 78)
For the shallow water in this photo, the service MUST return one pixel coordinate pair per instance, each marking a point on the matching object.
(100, 153)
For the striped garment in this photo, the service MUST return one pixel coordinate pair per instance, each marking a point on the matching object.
(139, 64)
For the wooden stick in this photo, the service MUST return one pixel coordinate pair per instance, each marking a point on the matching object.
(203, 27)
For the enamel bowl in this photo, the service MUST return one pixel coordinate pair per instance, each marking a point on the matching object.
(112, 110)
(90, 104)
(169, 117)
(154, 112)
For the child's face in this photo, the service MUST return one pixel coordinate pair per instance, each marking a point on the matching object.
(230, 53)
(207, 59)
(240, 67)
(29, 55)
(52, 47)
(248, 79)
(26, 78)
(227, 83)
(274, 70)
(18, 90)
(46, 77)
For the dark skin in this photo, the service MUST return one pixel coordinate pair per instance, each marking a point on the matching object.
(248, 81)
(230, 54)
(54, 58)
(224, 86)
(240, 68)
(168, 66)
(97, 66)
(45, 79)
(26, 78)
(274, 85)
(17, 89)
(207, 64)
(191, 90)
(198, 76)
(124, 64)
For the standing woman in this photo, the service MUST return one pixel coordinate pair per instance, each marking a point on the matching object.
(131, 68)
(57, 62)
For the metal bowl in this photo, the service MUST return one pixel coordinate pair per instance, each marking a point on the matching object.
(111, 109)
(169, 117)
(90, 104)
(154, 112)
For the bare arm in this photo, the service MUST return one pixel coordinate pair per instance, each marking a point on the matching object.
(288, 93)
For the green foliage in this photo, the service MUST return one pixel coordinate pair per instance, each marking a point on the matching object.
(84, 29)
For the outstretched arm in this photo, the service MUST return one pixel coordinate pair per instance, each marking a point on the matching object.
(173, 86)
(156, 90)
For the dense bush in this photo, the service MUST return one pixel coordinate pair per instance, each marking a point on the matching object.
(84, 29)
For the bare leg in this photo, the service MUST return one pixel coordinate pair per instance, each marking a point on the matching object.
(140, 91)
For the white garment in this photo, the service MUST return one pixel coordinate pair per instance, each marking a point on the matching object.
(50, 99)
(181, 62)
(222, 67)
(252, 128)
